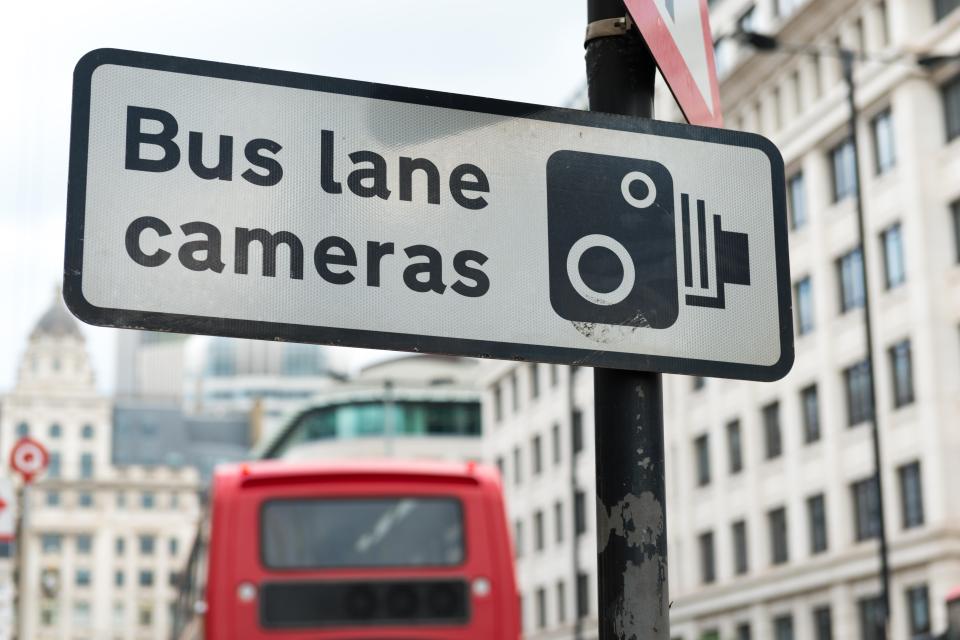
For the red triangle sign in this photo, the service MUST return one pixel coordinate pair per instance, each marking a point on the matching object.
(678, 34)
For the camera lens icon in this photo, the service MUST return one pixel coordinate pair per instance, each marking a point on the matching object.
(611, 229)
(596, 240)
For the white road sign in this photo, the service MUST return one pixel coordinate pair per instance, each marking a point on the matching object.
(218, 199)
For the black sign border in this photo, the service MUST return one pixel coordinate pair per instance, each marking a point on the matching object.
(180, 323)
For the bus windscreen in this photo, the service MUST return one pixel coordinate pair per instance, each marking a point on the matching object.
(334, 533)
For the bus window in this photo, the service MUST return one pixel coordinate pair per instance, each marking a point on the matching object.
(365, 532)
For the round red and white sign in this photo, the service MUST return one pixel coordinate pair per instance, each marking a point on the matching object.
(29, 458)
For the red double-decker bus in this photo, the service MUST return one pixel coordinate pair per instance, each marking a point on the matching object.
(383, 550)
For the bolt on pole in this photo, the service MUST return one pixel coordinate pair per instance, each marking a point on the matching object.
(628, 424)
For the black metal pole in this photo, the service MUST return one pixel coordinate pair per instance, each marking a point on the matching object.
(628, 405)
(848, 58)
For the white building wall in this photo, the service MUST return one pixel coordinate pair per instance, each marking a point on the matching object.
(55, 402)
(800, 102)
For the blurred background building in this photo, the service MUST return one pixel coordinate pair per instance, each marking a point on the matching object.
(99, 543)
(772, 514)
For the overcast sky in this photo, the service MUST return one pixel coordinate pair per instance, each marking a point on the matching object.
(526, 50)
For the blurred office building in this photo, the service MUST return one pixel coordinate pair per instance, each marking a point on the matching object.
(217, 377)
(772, 512)
(99, 544)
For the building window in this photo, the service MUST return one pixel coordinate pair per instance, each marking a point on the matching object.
(145, 578)
(871, 619)
(580, 512)
(145, 615)
(84, 544)
(723, 55)
(86, 466)
(822, 623)
(894, 270)
(538, 530)
(797, 201)
(558, 521)
(555, 442)
(943, 7)
(23, 430)
(53, 498)
(843, 165)
(81, 614)
(174, 546)
(743, 631)
(87, 432)
(911, 495)
(884, 146)
(859, 399)
(541, 608)
(561, 602)
(818, 523)
(783, 627)
(55, 431)
(85, 499)
(497, 403)
(120, 545)
(51, 542)
(850, 275)
(534, 380)
(517, 466)
(901, 368)
(536, 455)
(48, 614)
(779, 550)
(803, 296)
(951, 106)
(771, 430)
(866, 506)
(554, 375)
(734, 446)
(698, 383)
(147, 545)
(583, 595)
(147, 500)
(918, 611)
(82, 578)
(53, 466)
(576, 423)
(514, 391)
(810, 406)
(518, 538)
(740, 559)
(708, 568)
(702, 451)
(118, 578)
(501, 468)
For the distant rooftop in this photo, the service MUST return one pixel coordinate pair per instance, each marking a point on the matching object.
(57, 321)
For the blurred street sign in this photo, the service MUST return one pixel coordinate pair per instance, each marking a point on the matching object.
(227, 200)
(29, 458)
(8, 510)
(679, 37)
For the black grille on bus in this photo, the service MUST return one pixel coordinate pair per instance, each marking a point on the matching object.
(394, 602)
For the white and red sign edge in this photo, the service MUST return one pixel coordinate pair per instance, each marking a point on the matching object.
(673, 66)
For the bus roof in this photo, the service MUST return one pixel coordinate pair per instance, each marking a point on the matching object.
(284, 471)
